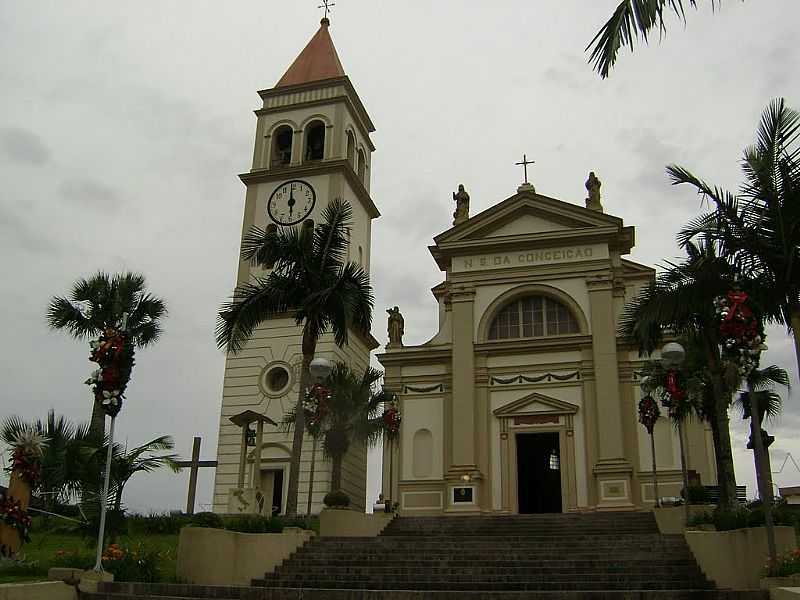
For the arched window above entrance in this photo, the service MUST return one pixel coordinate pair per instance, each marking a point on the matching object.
(533, 316)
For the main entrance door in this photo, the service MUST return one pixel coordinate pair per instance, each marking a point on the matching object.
(538, 473)
(272, 487)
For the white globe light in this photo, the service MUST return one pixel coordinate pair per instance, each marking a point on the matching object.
(672, 354)
(320, 368)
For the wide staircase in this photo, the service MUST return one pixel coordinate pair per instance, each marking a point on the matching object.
(606, 556)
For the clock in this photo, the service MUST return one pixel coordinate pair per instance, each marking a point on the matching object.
(291, 202)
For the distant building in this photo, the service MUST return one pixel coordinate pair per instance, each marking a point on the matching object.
(790, 494)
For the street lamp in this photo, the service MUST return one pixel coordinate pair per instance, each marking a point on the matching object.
(320, 368)
(672, 357)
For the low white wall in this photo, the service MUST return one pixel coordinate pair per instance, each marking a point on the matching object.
(735, 559)
(219, 557)
(784, 593)
(45, 590)
(338, 522)
(670, 519)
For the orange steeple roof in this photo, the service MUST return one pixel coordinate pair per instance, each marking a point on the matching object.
(316, 62)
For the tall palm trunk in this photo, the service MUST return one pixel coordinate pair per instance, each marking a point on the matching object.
(759, 451)
(726, 475)
(309, 347)
(794, 316)
(97, 426)
(336, 473)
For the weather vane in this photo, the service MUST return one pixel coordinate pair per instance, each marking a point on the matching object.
(326, 4)
(525, 162)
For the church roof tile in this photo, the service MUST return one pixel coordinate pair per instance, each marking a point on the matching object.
(316, 62)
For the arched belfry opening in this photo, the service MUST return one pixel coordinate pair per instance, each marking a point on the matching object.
(282, 146)
(315, 141)
(351, 149)
(362, 165)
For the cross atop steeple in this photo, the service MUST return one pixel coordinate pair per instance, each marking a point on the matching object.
(326, 4)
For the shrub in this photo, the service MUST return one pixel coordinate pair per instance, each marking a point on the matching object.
(207, 519)
(788, 564)
(157, 523)
(698, 494)
(138, 563)
(728, 520)
(73, 559)
(337, 499)
(253, 524)
(705, 518)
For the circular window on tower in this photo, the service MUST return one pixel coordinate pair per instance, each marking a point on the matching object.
(276, 378)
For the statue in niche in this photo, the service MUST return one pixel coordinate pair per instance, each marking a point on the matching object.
(593, 187)
(396, 328)
(462, 205)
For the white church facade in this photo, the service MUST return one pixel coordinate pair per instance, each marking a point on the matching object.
(525, 400)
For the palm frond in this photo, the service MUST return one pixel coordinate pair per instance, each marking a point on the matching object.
(631, 20)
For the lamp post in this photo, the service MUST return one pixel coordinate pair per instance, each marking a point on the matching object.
(648, 416)
(320, 368)
(672, 357)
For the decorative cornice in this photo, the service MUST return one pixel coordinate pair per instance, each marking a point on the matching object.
(533, 345)
(332, 82)
(317, 168)
(415, 355)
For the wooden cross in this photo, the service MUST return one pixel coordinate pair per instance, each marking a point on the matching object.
(194, 465)
(326, 4)
(525, 162)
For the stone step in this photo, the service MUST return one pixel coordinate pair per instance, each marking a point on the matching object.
(509, 565)
(141, 592)
(534, 586)
(476, 571)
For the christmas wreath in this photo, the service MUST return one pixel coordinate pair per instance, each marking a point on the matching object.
(741, 332)
(113, 351)
(648, 413)
(12, 514)
(392, 419)
(315, 406)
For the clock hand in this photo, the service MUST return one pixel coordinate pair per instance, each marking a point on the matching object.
(291, 199)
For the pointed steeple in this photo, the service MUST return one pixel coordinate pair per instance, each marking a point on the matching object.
(316, 62)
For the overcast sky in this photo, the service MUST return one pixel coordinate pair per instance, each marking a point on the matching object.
(123, 127)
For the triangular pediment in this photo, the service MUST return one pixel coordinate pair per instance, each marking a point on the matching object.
(528, 220)
(527, 214)
(535, 404)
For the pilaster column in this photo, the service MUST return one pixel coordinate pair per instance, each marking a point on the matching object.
(612, 470)
(462, 417)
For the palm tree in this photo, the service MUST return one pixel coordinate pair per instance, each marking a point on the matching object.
(312, 282)
(760, 386)
(759, 230)
(633, 19)
(681, 300)
(64, 471)
(142, 459)
(98, 303)
(354, 415)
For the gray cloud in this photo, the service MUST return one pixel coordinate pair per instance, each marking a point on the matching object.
(23, 146)
(89, 193)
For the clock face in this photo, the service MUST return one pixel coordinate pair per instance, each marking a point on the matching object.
(291, 202)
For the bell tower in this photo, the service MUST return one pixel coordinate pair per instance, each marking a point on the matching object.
(312, 145)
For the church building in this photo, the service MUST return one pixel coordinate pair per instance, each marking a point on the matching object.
(524, 401)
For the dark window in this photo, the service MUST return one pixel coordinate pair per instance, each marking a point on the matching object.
(315, 141)
(282, 146)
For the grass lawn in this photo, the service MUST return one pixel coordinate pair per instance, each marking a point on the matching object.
(42, 553)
